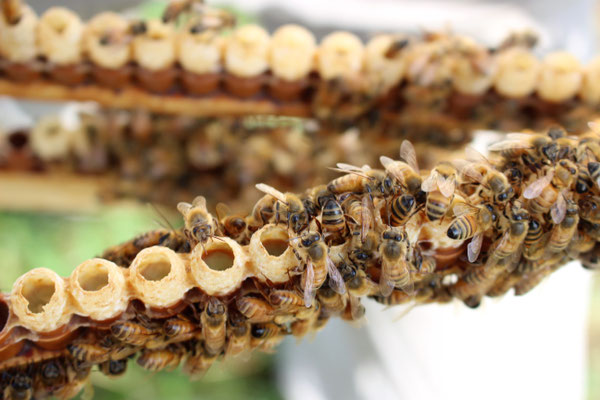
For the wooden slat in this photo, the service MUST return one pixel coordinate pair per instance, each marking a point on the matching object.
(133, 98)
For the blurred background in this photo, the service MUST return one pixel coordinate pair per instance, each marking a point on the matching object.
(551, 337)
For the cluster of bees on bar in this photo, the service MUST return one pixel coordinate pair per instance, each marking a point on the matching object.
(398, 234)
(465, 229)
(166, 159)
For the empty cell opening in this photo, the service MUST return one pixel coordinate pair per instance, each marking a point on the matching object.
(219, 257)
(275, 241)
(156, 270)
(38, 292)
(4, 313)
(93, 277)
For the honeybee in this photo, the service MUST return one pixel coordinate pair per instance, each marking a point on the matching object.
(480, 170)
(286, 299)
(88, 352)
(406, 173)
(262, 213)
(205, 18)
(318, 266)
(396, 297)
(199, 361)
(266, 335)
(113, 368)
(360, 211)
(563, 233)
(361, 285)
(178, 327)
(255, 309)
(478, 280)
(361, 251)
(594, 172)
(514, 236)
(471, 222)
(177, 7)
(533, 150)
(548, 192)
(401, 209)
(365, 180)
(331, 302)
(533, 244)
(590, 211)
(132, 333)
(395, 270)
(527, 39)
(52, 372)
(213, 319)
(158, 360)
(440, 186)
(584, 181)
(332, 218)
(581, 243)
(238, 334)
(233, 226)
(19, 388)
(320, 195)
(288, 207)
(543, 269)
(301, 326)
(200, 225)
(12, 11)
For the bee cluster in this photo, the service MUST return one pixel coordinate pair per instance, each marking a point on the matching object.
(166, 159)
(437, 86)
(227, 284)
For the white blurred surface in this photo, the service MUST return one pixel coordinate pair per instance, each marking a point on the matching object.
(528, 347)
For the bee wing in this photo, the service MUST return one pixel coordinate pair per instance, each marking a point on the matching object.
(271, 191)
(357, 310)
(474, 155)
(309, 284)
(446, 185)
(559, 209)
(470, 172)
(408, 154)
(536, 187)
(594, 126)
(409, 287)
(512, 141)
(358, 172)
(184, 207)
(430, 183)
(336, 282)
(364, 211)
(389, 164)
(223, 210)
(474, 247)
(199, 201)
(349, 167)
(386, 286)
(461, 209)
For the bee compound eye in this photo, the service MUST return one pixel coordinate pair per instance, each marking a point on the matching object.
(407, 201)
(533, 224)
(50, 371)
(116, 367)
(453, 232)
(258, 331)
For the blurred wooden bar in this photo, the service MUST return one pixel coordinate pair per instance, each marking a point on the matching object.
(50, 192)
(218, 105)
